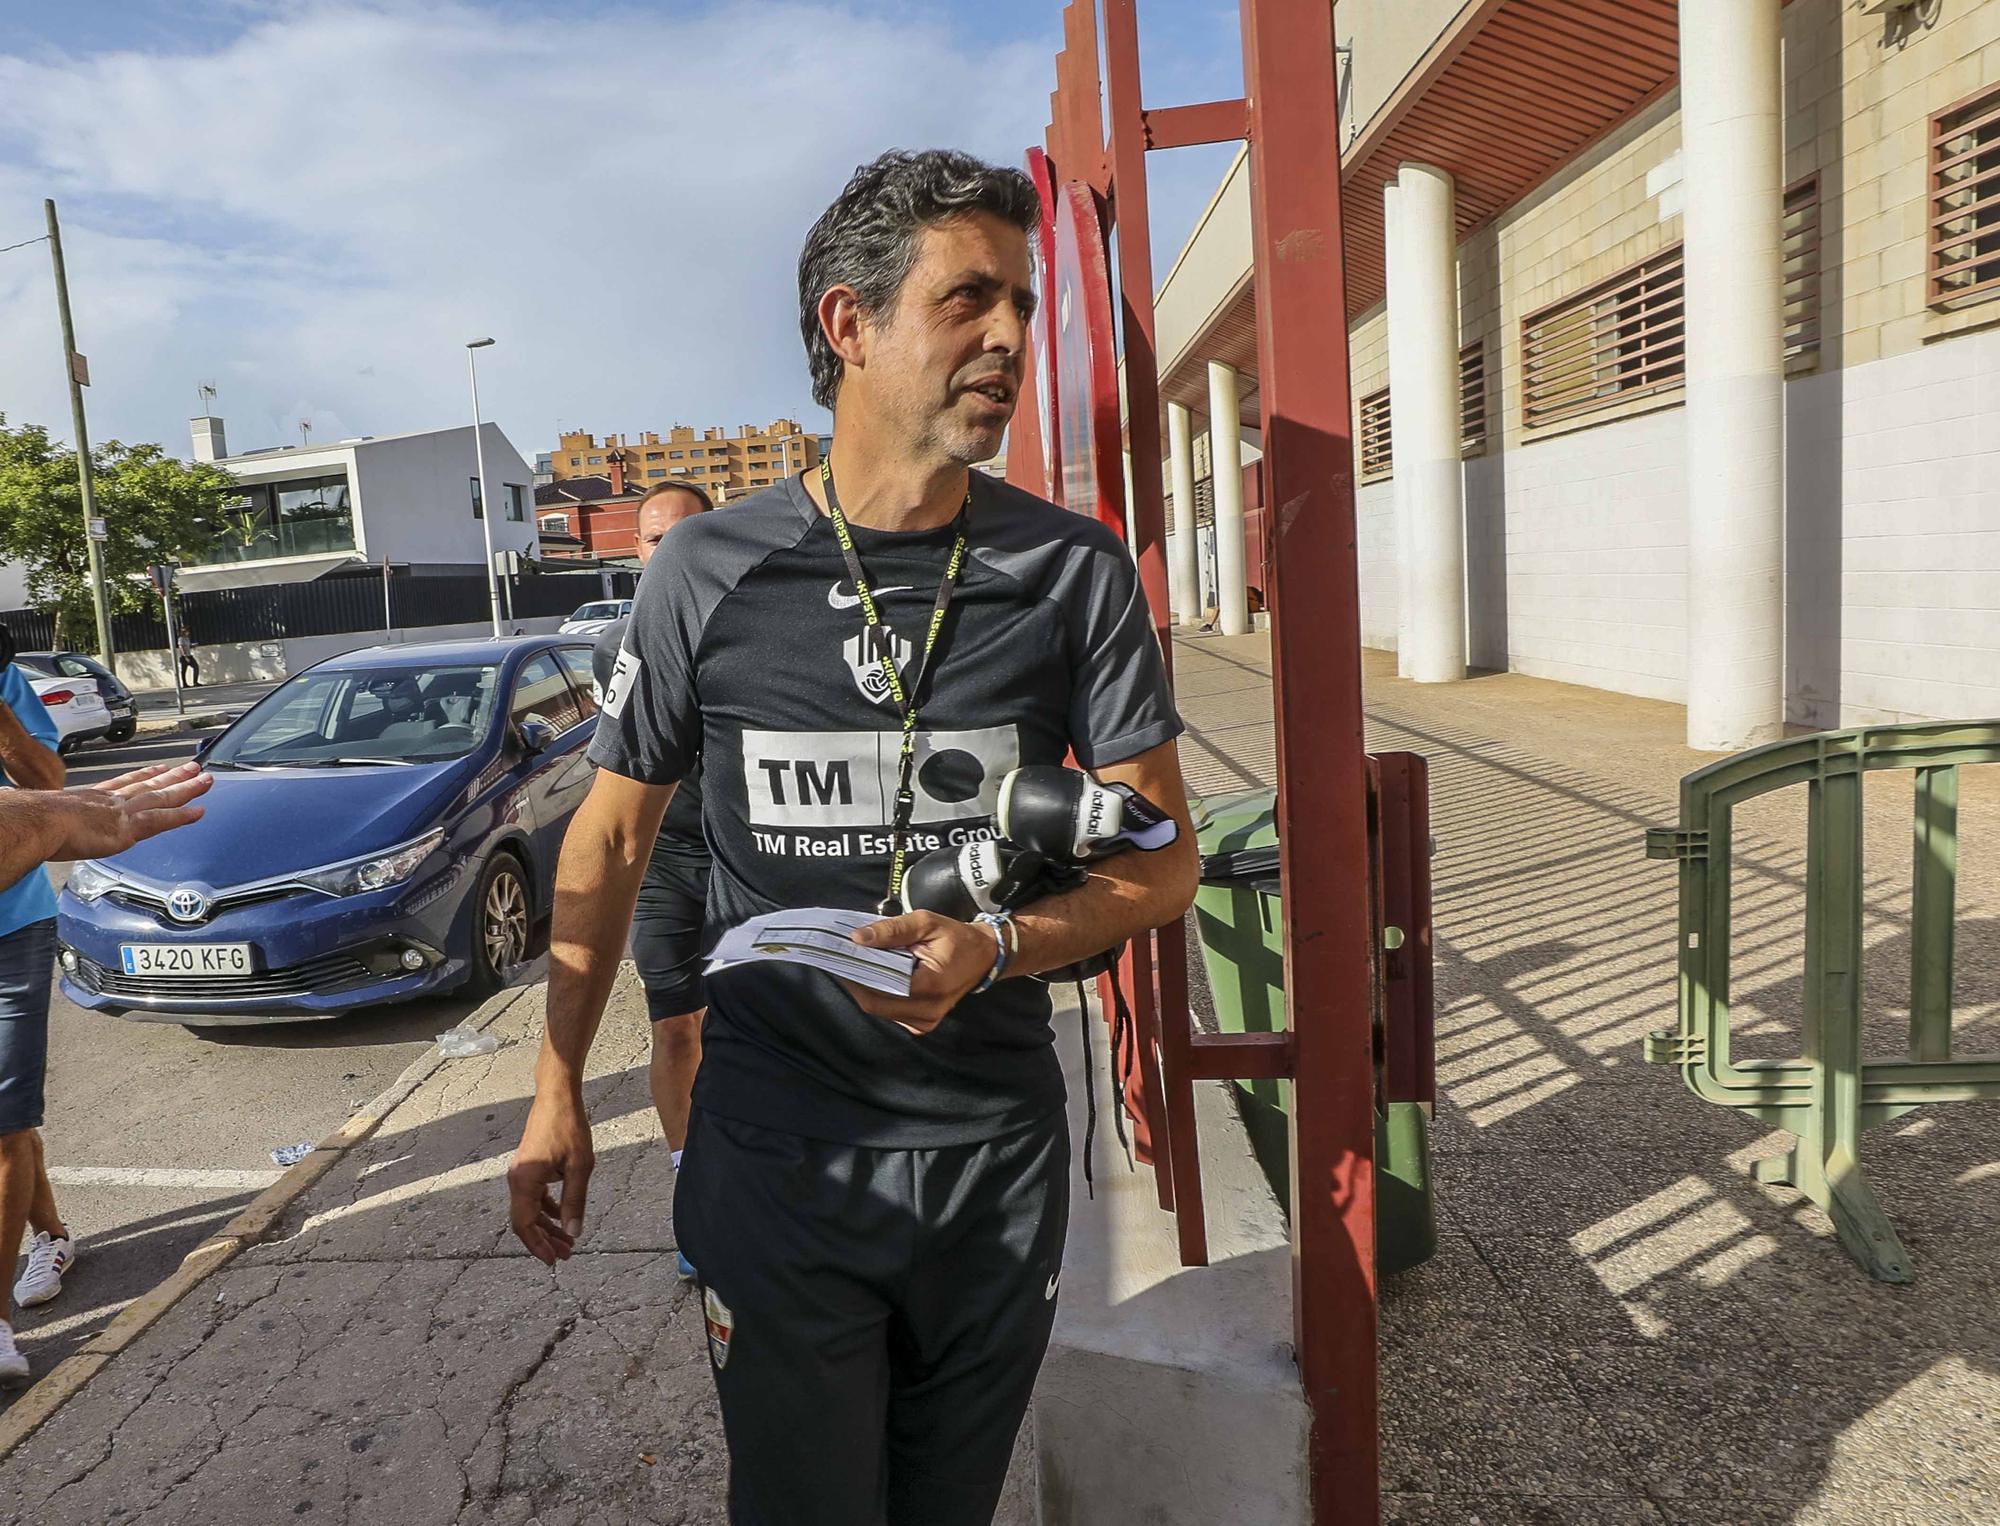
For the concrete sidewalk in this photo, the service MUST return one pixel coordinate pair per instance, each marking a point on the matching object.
(390, 1352)
(1621, 1326)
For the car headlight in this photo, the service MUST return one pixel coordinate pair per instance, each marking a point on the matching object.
(90, 881)
(364, 874)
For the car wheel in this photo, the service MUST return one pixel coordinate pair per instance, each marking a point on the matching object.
(502, 922)
(122, 733)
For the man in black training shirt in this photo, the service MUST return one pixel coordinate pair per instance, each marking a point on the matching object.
(875, 1189)
(667, 938)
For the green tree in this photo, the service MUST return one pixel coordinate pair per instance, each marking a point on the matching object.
(156, 508)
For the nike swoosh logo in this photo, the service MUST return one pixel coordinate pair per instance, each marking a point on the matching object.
(841, 600)
(1050, 1291)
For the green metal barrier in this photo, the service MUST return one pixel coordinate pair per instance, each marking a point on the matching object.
(1832, 1094)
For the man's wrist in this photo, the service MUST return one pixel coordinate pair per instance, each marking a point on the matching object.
(1006, 945)
(47, 826)
(556, 1076)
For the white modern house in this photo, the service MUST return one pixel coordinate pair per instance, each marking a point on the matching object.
(413, 500)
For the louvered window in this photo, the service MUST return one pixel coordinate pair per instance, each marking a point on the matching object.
(1623, 338)
(1472, 398)
(1965, 202)
(1801, 256)
(1378, 456)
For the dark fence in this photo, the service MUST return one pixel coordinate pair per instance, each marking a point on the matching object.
(31, 630)
(335, 607)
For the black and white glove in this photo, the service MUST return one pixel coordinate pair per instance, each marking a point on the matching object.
(986, 877)
(1064, 814)
(981, 877)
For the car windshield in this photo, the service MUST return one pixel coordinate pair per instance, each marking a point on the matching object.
(352, 717)
(596, 612)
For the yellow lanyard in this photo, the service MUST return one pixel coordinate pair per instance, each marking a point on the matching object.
(878, 633)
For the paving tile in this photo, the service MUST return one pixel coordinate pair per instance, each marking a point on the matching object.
(1570, 1298)
(1535, 1124)
(1738, 1512)
(1698, 1422)
(1489, 1412)
(1653, 1111)
(1454, 1289)
(1540, 1192)
(1504, 1510)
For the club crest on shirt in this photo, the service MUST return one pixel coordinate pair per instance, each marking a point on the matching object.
(864, 661)
(721, 1327)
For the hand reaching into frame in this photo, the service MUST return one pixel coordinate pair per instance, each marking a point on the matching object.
(97, 820)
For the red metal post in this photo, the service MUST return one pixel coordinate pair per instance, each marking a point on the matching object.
(1165, 1018)
(1024, 434)
(1186, 126)
(1076, 157)
(1302, 384)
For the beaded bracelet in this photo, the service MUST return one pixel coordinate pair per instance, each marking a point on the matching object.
(1006, 944)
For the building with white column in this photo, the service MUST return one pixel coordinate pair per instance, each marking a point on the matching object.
(1183, 573)
(1425, 411)
(1732, 168)
(1726, 323)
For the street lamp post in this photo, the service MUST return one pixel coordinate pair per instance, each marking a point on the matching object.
(73, 363)
(485, 500)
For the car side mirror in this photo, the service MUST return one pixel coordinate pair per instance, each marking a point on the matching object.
(535, 735)
(206, 745)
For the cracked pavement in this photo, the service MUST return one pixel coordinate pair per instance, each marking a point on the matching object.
(391, 1352)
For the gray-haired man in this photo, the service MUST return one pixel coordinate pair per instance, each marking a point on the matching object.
(875, 1189)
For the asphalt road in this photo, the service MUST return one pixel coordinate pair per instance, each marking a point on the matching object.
(157, 1134)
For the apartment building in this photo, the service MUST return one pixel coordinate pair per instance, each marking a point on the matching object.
(1674, 348)
(723, 464)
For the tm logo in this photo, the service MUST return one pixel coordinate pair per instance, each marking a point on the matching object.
(828, 783)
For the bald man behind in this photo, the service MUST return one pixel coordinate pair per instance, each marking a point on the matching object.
(667, 939)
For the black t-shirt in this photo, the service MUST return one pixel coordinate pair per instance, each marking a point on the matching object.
(680, 840)
(746, 650)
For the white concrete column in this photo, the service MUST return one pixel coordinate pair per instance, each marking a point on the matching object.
(1182, 574)
(1225, 465)
(1398, 298)
(1424, 402)
(1732, 145)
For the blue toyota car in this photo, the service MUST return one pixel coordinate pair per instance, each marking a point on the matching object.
(382, 825)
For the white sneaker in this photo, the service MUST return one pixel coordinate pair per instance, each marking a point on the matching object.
(13, 1366)
(42, 1279)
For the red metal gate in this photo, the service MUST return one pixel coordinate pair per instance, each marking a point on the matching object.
(1289, 116)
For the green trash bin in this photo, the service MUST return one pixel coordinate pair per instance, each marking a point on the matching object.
(1240, 917)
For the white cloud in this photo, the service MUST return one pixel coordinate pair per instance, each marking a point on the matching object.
(317, 214)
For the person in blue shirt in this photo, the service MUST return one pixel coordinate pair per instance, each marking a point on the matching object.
(28, 761)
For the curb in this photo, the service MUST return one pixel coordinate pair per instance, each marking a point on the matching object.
(174, 725)
(65, 1380)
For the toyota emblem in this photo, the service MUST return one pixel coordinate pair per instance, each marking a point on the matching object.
(186, 904)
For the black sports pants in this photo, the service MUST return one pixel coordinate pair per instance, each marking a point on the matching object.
(876, 1318)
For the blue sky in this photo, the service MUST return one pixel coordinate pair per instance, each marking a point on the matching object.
(313, 204)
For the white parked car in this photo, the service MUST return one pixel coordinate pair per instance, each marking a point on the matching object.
(77, 709)
(591, 619)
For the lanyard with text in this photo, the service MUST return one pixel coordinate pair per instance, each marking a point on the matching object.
(876, 640)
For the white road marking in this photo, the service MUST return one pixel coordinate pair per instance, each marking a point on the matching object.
(162, 1176)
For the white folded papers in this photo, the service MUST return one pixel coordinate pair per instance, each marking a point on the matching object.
(821, 938)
